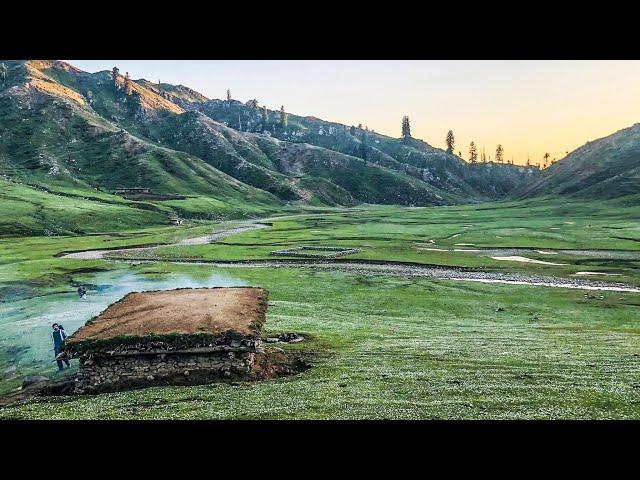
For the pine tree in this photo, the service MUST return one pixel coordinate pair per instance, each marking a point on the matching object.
(499, 153)
(363, 147)
(3, 72)
(115, 73)
(451, 141)
(228, 95)
(284, 120)
(546, 158)
(128, 88)
(265, 117)
(406, 128)
(473, 153)
(352, 130)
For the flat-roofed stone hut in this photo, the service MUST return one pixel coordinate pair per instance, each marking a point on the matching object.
(174, 337)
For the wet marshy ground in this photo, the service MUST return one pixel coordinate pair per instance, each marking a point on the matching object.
(26, 346)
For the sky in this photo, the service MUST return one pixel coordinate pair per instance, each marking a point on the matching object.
(530, 107)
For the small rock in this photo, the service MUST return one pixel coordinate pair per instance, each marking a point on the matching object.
(150, 377)
(500, 309)
(272, 340)
(31, 379)
(290, 337)
(9, 373)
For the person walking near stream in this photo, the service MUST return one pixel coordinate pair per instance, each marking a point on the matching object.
(59, 336)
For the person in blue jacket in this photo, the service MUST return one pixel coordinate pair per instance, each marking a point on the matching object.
(59, 336)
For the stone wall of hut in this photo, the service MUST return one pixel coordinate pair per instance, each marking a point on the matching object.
(121, 372)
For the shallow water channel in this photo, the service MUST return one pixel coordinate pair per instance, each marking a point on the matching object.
(26, 342)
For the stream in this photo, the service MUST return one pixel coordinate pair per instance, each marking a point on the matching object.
(397, 268)
(25, 343)
(26, 346)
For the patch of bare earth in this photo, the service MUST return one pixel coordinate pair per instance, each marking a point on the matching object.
(183, 311)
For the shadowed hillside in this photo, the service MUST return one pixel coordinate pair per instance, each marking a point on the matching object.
(605, 168)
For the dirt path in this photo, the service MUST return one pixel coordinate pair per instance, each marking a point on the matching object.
(203, 240)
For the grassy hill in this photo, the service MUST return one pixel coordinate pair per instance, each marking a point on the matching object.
(69, 128)
(605, 168)
(412, 157)
(28, 211)
(65, 129)
(63, 132)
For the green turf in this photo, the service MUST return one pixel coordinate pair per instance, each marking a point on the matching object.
(411, 235)
(396, 348)
(392, 347)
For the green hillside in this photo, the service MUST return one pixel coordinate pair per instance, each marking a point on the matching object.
(411, 157)
(605, 168)
(28, 211)
(91, 130)
(55, 140)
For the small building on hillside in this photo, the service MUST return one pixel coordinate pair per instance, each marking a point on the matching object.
(120, 191)
(174, 337)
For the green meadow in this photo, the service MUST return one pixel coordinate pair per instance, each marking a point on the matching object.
(385, 346)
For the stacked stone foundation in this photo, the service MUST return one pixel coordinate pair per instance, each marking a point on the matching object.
(108, 373)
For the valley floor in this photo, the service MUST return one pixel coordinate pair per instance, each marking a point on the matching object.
(389, 345)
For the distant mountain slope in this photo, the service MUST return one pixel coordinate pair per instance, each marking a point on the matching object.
(605, 168)
(53, 136)
(143, 138)
(414, 157)
(69, 130)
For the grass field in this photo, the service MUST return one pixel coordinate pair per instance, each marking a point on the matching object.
(390, 346)
(419, 235)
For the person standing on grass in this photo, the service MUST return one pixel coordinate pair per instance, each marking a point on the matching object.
(59, 336)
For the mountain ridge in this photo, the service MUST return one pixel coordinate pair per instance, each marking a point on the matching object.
(69, 129)
(604, 168)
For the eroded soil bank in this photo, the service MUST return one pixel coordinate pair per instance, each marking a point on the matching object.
(272, 363)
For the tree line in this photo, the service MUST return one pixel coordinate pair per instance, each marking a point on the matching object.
(473, 149)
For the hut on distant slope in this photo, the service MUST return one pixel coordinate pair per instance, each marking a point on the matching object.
(175, 337)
